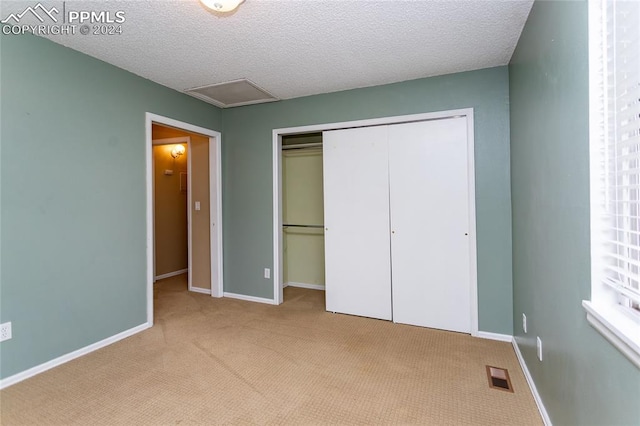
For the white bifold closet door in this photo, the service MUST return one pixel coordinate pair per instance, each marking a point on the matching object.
(396, 201)
(356, 215)
(429, 199)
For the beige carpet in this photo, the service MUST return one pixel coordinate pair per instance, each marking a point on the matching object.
(225, 361)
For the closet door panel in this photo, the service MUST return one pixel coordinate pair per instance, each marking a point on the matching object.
(429, 222)
(356, 215)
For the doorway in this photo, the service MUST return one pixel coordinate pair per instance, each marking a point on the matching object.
(201, 186)
(172, 251)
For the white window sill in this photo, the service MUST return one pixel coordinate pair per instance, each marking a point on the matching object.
(617, 327)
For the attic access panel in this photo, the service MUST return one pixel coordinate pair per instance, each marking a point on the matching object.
(232, 93)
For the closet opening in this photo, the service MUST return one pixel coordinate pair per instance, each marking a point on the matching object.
(388, 190)
(302, 210)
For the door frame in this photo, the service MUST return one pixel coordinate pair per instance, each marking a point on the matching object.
(277, 135)
(215, 202)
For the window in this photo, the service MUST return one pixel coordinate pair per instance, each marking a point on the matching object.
(614, 117)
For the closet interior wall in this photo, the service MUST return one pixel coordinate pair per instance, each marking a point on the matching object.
(303, 211)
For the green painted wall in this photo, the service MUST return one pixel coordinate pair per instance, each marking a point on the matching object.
(73, 197)
(247, 174)
(582, 379)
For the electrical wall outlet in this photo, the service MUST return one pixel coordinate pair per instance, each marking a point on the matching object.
(524, 323)
(5, 331)
(267, 273)
(539, 345)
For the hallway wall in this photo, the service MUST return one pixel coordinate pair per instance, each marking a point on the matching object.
(170, 210)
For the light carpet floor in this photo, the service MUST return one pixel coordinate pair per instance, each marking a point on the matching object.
(225, 361)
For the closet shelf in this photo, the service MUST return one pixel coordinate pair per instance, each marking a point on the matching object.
(287, 225)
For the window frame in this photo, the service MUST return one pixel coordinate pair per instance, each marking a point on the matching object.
(619, 324)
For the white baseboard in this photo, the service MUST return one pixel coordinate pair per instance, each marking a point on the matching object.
(171, 274)
(200, 290)
(495, 336)
(532, 385)
(12, 380)
(304, 285)
(249, 298)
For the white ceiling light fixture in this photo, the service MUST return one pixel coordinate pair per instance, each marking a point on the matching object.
(222, 5)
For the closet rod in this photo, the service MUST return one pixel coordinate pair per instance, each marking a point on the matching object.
(302, 226)
(302, 146)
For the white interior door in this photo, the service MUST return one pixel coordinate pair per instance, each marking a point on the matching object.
(429, 198)
(356, 215)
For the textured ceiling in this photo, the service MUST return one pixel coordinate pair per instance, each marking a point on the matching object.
(296, 48)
